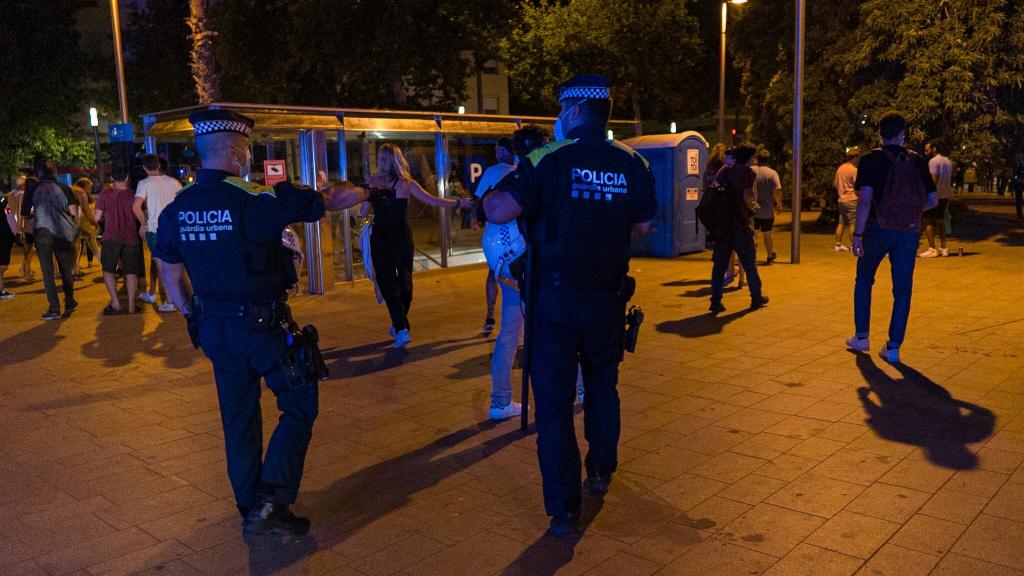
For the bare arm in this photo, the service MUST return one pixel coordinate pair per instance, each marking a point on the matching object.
(171, 274)
(97, 214)
(501, 207)
(137, 209)
(777, 195)
(345, 195)
(73, 210)
(414, 189)
(863, 210)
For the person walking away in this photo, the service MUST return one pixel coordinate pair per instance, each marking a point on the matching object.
(53, 209)
(8, 236)
(121, 245)
(941, 169)
(768, 187)
(580, 198)
(504, 150)
(895, 188)
(736, 234)
(846, 177)
(391, 245)
(155, 192)
(87, 225)
(1017, 185)
(227, 233)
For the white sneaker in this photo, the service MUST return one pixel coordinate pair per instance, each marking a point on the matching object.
(858, 344)
(402, 338)
(511, 410)
(841, 248)
(890, 355)
(929, 253)
(166, 307)
(147, 298)
(943, 252)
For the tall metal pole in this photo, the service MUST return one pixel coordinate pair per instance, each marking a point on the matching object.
(798, 120)
(96, 150)
(721, 82)
(115, 20)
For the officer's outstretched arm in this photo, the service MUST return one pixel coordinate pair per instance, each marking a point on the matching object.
(344, 195)
(500, 207)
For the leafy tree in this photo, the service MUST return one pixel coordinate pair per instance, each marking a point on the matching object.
(43, 70)
(157, 56)
(650, 49)
(204, 73)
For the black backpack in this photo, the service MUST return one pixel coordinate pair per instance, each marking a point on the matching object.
(714, 210)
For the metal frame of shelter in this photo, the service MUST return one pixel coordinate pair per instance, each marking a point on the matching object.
(310, 126)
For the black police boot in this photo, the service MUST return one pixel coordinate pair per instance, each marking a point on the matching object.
(275, 519)
(597, 484)
(759, 302)
(564, 525)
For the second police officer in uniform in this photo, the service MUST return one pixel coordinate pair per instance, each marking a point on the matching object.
(227, 233)
(581, 197)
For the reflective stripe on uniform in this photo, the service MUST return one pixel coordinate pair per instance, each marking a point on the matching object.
(254, 188)
(548, 148)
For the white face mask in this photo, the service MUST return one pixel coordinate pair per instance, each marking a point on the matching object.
(557, 129)
(245, 167)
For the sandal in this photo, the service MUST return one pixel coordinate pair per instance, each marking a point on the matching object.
(111, 311)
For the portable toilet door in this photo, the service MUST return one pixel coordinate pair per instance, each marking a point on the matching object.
(691, 158)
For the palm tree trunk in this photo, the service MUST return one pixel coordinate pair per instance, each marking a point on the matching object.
(203, 71)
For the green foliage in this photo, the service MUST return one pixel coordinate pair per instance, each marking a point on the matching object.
(649, 48)
(43, 69)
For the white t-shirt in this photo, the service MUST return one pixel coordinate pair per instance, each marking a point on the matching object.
(492, 176)
(158, 192)
(942, 172)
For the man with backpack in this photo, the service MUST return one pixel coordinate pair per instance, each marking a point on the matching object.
(895, 188)
(726, 212)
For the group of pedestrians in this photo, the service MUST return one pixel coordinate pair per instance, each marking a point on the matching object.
(61, 223)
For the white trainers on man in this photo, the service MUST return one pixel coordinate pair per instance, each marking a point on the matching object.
(858, 344)
(943, 252)
(504, 412)
(147, 298)
(841, 248)
(929, 253)
(166, 307)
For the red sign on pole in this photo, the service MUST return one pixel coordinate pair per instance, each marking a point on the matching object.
(274, 172)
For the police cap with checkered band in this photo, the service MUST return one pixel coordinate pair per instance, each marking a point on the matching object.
(586, 86)
(214, 121)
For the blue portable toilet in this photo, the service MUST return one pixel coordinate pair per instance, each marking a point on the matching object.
(677, 161)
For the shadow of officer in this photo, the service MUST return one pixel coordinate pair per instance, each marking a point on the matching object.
(915, 410)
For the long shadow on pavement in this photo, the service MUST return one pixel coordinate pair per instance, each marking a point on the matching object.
(547, 555)
(703, 325)
(372, 493)
(915, 410)
(32, 343)
(380, 356)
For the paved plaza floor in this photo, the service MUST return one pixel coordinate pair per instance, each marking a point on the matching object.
(752, 443)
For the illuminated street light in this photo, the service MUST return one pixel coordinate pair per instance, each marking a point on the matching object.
(611, 135)
(462, 109)
(721, 76)
(672, 128)
(94, 117)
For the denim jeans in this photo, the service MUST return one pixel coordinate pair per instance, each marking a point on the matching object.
(901, 247)
(741, 242)
(48, 246)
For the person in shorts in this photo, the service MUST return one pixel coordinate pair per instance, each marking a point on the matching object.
(768, 192)
(941, 169)
(121, 244)
(154, 193)
(846, 176)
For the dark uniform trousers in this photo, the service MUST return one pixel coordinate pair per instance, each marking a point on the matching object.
(570, 327)
(241, 354)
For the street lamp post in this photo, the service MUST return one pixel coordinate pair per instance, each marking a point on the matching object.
(115, 21)
(721, 73)
(798, 119)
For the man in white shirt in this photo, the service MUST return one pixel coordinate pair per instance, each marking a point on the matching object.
(941, 169)
(504, 149)
(156, 191)
(768, 190)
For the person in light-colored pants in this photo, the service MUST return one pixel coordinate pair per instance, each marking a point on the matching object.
(505, 345)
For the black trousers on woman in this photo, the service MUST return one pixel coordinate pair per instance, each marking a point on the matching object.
(392, 252)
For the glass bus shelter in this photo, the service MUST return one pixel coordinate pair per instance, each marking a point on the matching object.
(447, 154)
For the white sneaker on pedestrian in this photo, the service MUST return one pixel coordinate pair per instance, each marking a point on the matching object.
(841, 248)
(402, 338)
(5, 295)
(929, 253)
(890, 355)
(943, 252)
(510, 410)
(858, 344)
(166, 307)
(147, 298)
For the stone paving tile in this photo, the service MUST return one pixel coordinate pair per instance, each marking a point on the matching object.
(725, 430)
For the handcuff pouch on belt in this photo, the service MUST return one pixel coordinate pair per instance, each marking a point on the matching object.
(635, 316)
(303, 363)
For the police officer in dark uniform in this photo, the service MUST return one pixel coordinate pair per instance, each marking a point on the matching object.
(581, 196)
(227, 233)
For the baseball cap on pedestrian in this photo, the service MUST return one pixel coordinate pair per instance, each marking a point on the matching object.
(214, 121)
(585, 86)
